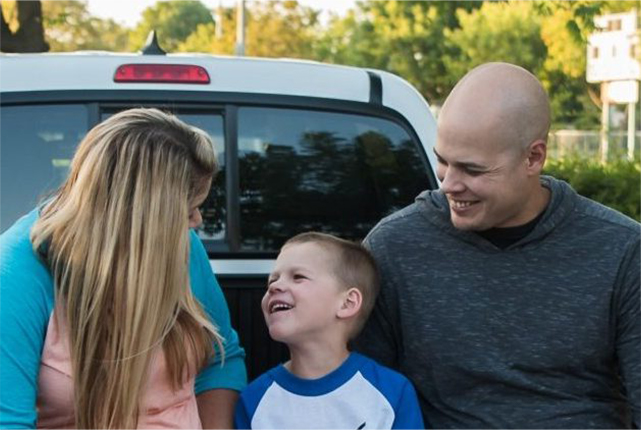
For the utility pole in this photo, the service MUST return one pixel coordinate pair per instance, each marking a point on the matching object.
(631, 129)
(605, 123)
(219, 20)
(240, 28)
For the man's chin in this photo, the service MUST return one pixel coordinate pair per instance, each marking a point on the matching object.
(465, 224)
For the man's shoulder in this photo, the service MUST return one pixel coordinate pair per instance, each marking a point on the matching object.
(582, 211)
(403, 218)
(604, 216)
(18, 262)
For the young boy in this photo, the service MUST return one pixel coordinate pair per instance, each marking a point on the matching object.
(319, 295)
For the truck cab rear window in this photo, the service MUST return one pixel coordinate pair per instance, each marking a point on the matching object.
(312, 170)
(298, 169)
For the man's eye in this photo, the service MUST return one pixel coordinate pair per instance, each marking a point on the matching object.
(474, 172)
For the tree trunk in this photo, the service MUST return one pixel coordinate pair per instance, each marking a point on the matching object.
(30, 34)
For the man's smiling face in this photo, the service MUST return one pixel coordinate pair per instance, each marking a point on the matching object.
(483, 179)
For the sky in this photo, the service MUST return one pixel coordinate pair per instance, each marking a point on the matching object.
(128, 12)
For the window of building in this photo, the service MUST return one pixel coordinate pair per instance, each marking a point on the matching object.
(614, 25)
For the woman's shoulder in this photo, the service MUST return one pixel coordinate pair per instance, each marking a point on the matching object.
(21, 270)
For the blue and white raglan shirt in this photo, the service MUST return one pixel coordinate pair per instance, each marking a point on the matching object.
(360, 394)
(27, 303)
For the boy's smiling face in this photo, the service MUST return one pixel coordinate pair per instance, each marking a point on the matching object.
(303, 296)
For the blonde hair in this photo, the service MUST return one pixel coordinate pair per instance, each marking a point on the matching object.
(116, 238)
(353, 266)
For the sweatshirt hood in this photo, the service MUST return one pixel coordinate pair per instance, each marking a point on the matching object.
(433, 206)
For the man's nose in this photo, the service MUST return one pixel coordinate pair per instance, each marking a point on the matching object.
(452, 181)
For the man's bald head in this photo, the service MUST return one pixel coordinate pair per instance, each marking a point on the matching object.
(500, 97)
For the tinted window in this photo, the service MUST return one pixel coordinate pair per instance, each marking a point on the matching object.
(213, 210)
(37, 145)
(330, 172)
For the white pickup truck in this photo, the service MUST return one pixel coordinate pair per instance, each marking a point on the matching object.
(302, 146)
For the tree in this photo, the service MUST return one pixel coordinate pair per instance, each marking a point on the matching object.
(274, 29)
(174, 21)
(505, 31)
(403, 37)
(70, 27)
(29, 34)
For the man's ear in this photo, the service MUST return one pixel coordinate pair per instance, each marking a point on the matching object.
(352, 302)
(536, 155)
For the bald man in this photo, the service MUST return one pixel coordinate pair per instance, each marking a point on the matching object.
(509, 300)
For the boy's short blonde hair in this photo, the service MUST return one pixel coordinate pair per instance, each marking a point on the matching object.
(354, 267)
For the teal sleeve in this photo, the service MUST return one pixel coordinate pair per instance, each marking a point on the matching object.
(26, 301)
(231, 373)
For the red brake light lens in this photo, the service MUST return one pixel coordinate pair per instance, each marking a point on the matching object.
(165, 73)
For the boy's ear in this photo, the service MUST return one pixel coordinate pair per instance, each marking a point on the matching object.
(352, 301)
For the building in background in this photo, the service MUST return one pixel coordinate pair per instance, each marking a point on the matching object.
(613, 54)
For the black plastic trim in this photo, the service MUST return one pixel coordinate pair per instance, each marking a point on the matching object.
(197, 98)
(375, 89)
(232, 179)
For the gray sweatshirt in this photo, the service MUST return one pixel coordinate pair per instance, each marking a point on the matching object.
(542, 334)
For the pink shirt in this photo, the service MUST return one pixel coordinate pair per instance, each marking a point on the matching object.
(161, 407)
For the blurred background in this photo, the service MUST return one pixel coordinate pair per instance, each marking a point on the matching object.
(587, 54)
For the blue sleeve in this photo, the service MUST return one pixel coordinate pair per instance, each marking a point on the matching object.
(232, 373)
(407, 411)
(241, 416)
(399, 392)
(250, 399)
(26, 292)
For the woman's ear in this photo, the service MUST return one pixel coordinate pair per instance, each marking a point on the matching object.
(352, 301)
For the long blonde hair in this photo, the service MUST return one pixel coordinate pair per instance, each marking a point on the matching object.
(116, 239)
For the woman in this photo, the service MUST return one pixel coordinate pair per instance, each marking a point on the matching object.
(110, 315)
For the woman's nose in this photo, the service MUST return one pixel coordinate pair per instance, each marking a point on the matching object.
(196, 219)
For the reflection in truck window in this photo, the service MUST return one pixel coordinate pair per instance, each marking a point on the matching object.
(312, 170)
(38, 142)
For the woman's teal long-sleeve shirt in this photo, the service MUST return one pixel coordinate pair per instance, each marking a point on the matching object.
(26, 304)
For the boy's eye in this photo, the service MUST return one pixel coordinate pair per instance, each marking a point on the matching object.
(299, 277)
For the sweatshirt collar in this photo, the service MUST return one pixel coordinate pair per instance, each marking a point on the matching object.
(435, 208)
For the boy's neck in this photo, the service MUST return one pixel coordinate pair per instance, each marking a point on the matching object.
(313, 362)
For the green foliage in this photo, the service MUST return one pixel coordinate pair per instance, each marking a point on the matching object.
(616, 184)
(273, 29)
(68, 26)
(174, 22)
(403, 37)
(498, 31)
